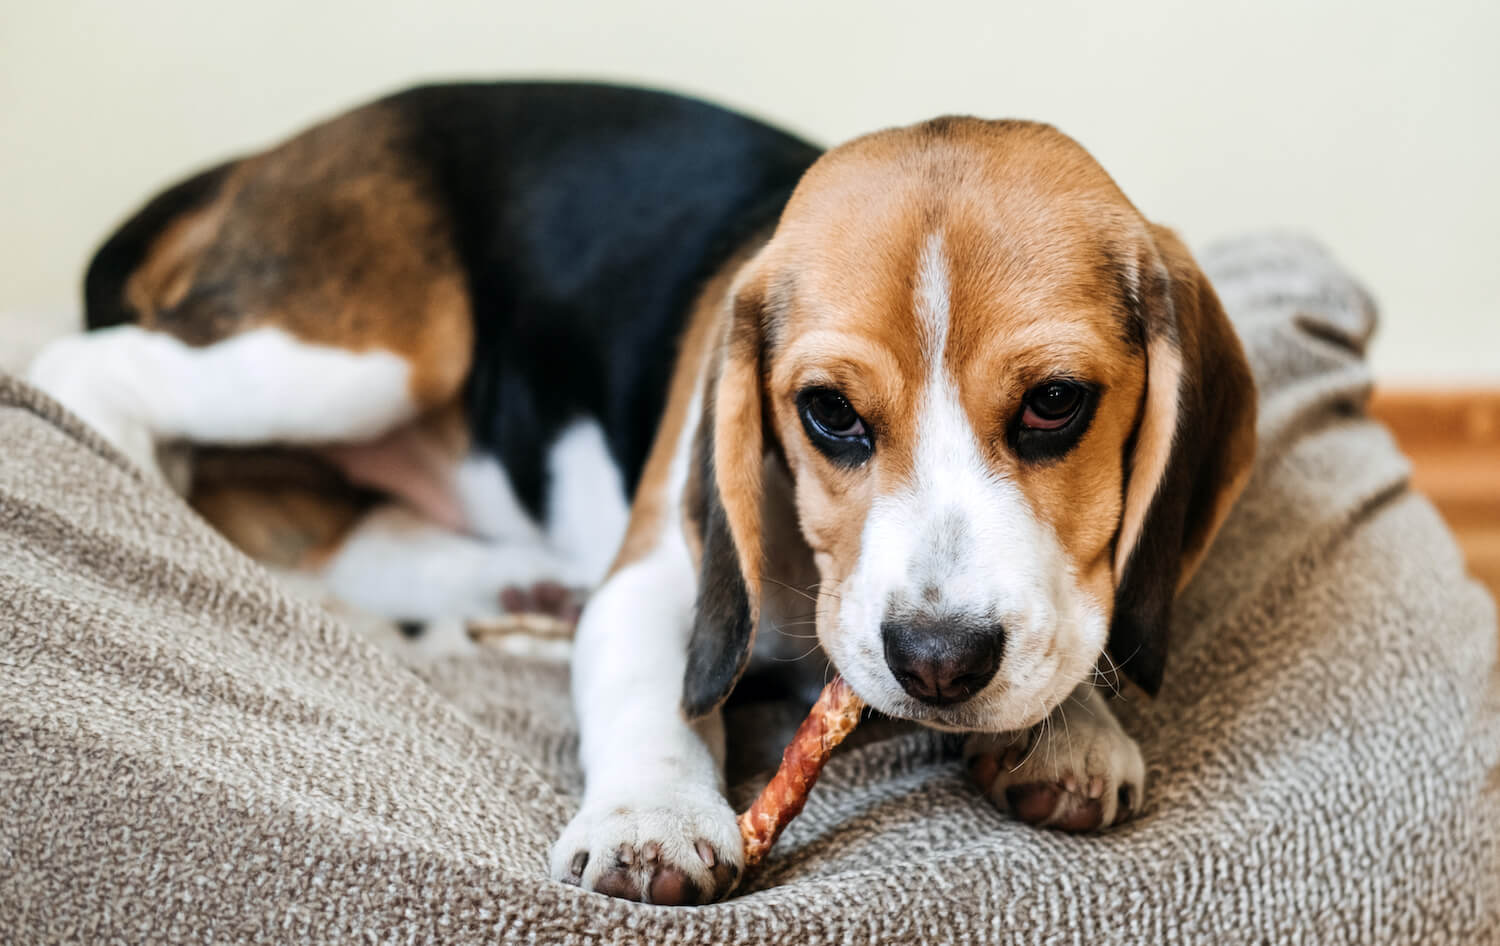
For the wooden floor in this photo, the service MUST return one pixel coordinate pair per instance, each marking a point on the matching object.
(1453, 439)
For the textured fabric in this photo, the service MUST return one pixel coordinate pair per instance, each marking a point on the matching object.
(188, 754)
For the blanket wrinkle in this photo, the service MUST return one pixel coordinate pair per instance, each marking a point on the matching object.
(192, 752)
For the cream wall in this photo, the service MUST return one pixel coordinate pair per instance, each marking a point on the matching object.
(1368, 124)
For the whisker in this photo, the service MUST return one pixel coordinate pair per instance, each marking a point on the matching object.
(807, 592)
(810, 621)
(797, 637)
(1068, 738)
(1116, 671)
(1102, 681)
(1035, 739)
(1082, 703)
(790, 587)
(818, 586)
(1109, 677)
(803, 656)
(1047, 727)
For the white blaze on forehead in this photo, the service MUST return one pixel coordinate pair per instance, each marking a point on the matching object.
(932, 302)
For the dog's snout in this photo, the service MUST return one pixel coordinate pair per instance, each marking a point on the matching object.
(942, 662)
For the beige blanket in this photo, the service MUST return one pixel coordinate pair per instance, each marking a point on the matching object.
(189, 754)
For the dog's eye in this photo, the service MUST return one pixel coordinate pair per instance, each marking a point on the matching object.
(1051, 405)
(832, 414)
(834, 427)
(1053, 417)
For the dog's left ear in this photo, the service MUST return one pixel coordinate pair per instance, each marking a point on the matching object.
(1191, 457)
(724, 503)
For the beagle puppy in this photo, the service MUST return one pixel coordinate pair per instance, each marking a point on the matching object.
(940, 397)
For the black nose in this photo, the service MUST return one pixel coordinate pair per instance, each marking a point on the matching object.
(942, 662)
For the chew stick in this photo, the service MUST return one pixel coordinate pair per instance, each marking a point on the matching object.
(543, 626)
(833, 717)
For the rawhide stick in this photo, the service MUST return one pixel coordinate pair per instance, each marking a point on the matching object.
(541, 626)
(833, 717)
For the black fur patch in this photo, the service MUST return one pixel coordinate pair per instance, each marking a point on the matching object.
(587, 218)
(411, 629)
(1184, 498)
(719, 649)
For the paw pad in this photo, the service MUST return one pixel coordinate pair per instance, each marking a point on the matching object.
(545, 597)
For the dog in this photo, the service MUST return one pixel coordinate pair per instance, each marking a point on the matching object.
(941, 391)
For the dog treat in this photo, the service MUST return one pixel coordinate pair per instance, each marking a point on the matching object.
(833, 717)
(543, 626)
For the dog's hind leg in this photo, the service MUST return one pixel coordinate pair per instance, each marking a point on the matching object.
(139, 388)
(309, 294)
(399, 564)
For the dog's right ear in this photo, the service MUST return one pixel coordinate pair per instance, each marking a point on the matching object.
(724, 502)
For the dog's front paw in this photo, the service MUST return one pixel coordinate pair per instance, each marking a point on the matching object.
(1078, 770)
(671, 849)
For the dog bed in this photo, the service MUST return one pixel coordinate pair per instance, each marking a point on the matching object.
(188, 753)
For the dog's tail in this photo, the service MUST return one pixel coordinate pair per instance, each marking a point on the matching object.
(162, 241)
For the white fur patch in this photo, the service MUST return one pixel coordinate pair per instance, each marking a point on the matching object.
(932, 301)
(138, 388)
(489, 503)
(587, 511)
(397, 564)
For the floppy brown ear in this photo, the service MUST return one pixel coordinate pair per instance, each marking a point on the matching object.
(1191, 454)
(724, 501)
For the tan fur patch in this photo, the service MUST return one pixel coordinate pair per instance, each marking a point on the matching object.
(281, 507)
(331, 236)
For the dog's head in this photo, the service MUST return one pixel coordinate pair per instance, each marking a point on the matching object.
(1012, 411)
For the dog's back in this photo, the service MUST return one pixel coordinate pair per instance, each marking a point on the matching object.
(490, 264)
(531, 247)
